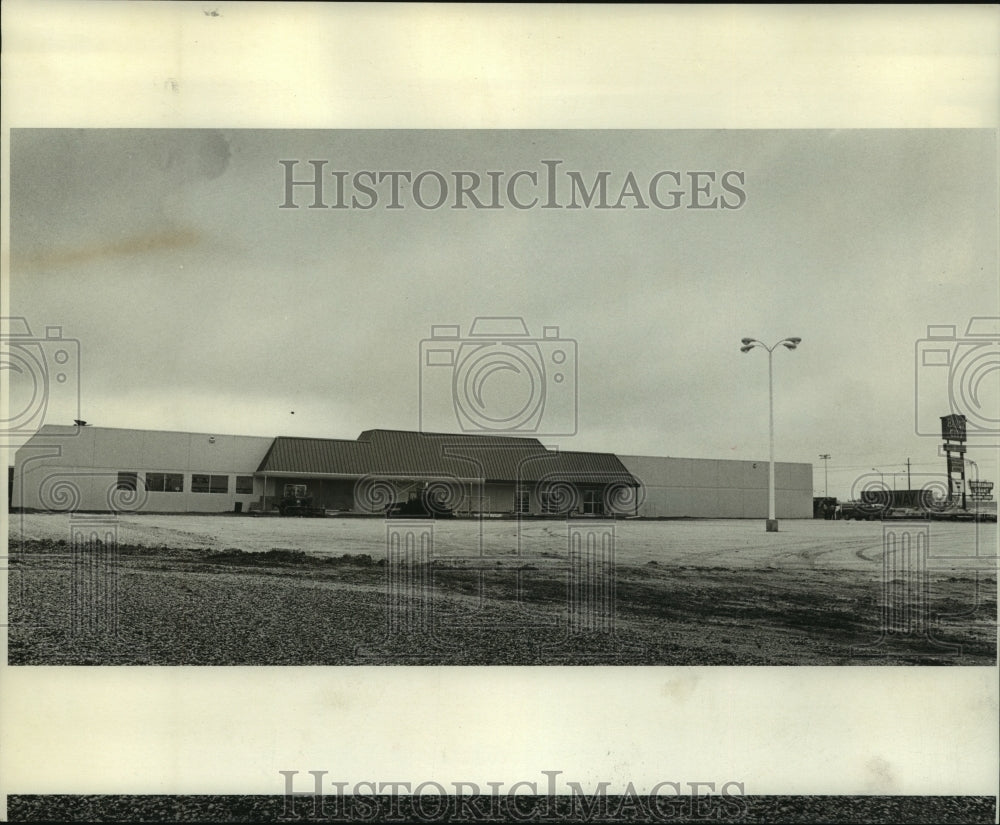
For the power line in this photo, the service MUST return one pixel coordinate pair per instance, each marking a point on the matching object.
(878, 463)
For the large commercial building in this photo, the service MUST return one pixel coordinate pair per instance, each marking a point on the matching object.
(99, 469)
(710, 488)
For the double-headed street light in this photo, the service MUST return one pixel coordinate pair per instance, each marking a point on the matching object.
(787, 343)
(826, 479)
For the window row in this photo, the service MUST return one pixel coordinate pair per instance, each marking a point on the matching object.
(556, 502)
(174, 483)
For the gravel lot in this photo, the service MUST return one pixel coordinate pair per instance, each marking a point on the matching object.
(226, 590)
(733, 543)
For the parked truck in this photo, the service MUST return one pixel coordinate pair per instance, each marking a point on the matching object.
(423, 503)
(864, 511)
(297, 502)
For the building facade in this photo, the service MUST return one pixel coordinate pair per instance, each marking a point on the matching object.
(718, 488)
(468, 474)
(100, 469)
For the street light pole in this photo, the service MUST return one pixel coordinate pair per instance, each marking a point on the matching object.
(976, 498)
(771, 517)
(748, 344)
(826, 486)
(883, 493)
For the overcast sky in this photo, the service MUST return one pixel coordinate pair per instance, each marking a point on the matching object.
(200, 305)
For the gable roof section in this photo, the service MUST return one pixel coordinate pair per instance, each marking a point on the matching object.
(414, 454)
(322, 456)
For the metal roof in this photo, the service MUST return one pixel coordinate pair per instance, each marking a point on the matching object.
(416, 455)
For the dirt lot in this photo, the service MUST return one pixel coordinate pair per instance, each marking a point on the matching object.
(229, 590)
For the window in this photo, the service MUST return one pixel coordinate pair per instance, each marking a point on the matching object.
(295, 491)
(521, 501)
(559, 498)
(593, 503)
(165, 482)
(551, 502)
(209, 484)
(128, 481)
(244, 485)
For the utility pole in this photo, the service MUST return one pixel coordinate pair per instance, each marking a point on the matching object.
(909, 484)
(826, 486)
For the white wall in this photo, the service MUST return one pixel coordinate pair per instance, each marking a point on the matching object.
(715, 488)
(77, 468)
(63, 468)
